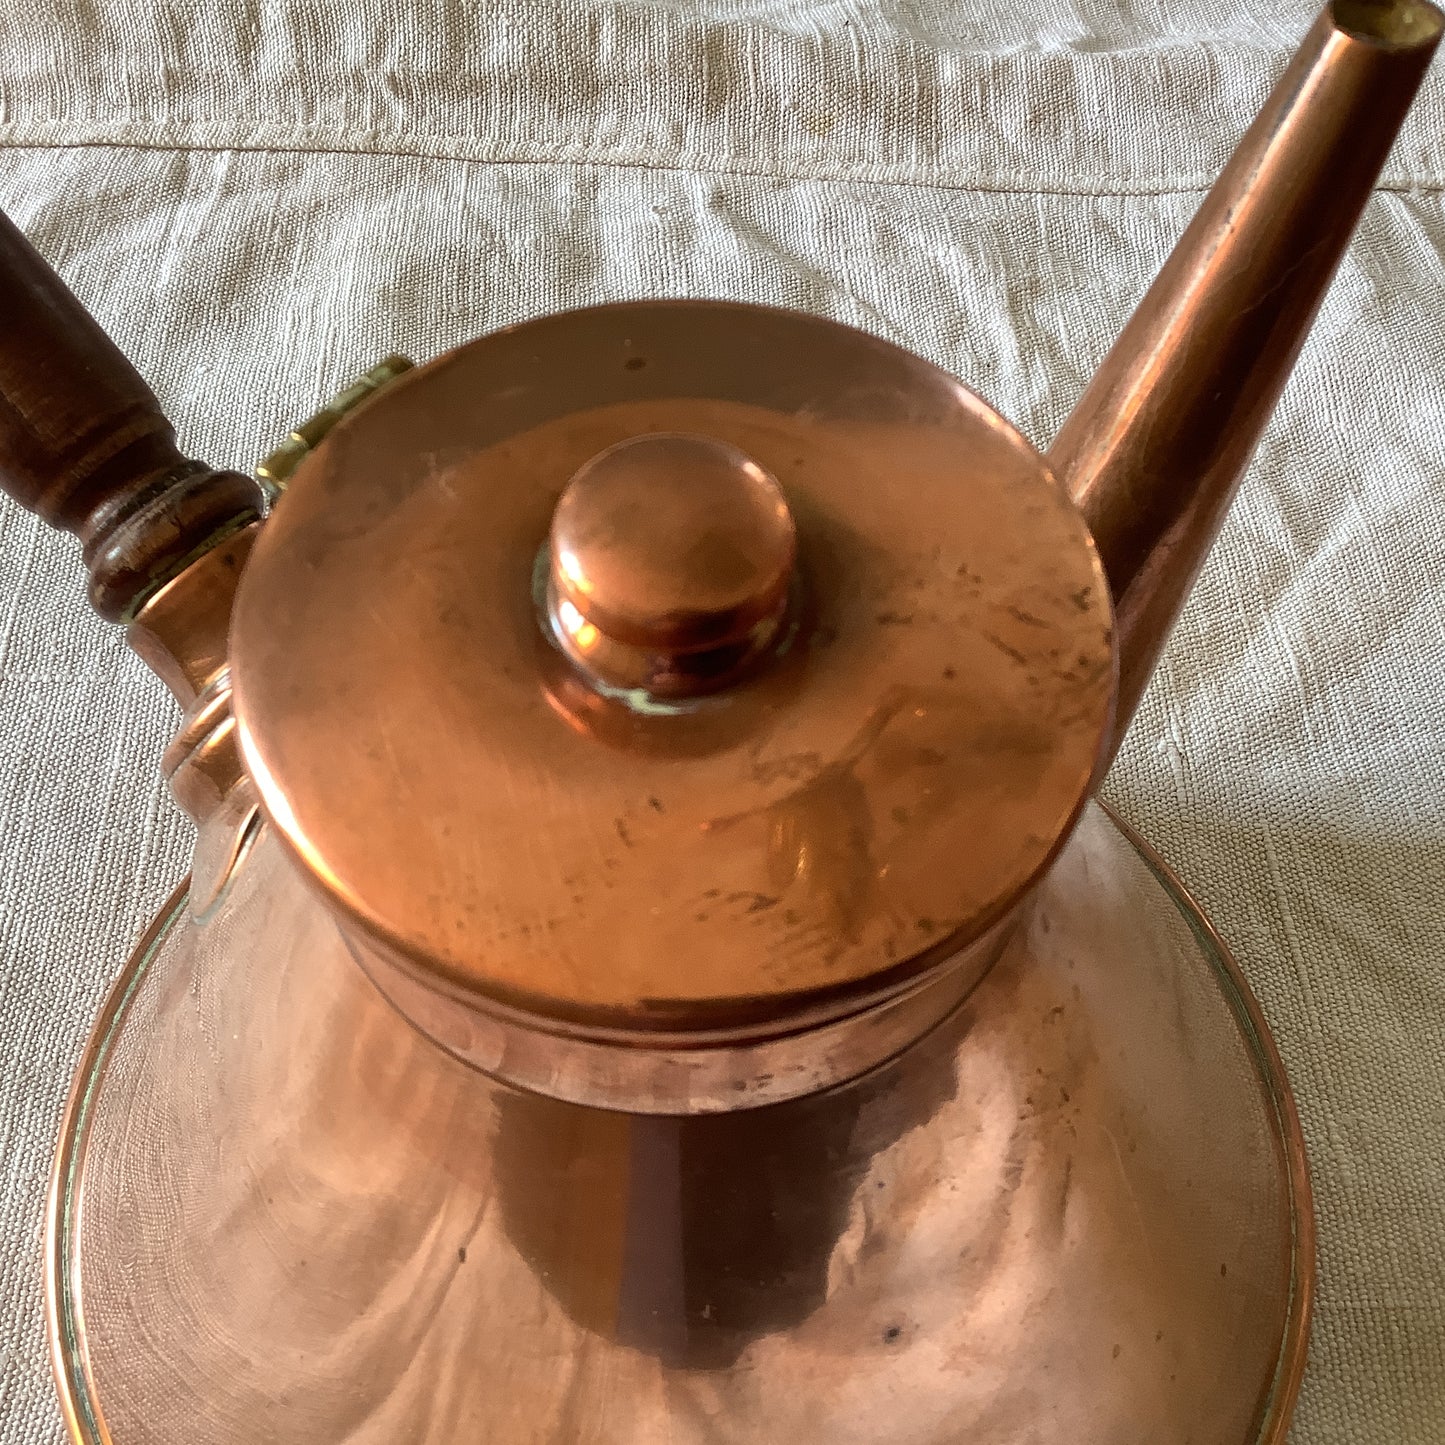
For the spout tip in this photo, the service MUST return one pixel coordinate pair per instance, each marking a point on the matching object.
(1392, 24)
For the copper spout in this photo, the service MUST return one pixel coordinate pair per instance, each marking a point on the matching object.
(1155, 448)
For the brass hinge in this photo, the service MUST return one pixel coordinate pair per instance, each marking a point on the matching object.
(274, 472)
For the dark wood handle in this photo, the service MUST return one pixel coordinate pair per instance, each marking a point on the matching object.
(84, 444)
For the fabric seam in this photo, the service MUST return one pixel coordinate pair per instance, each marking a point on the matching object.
(863, 175)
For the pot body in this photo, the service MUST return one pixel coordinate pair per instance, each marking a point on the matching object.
(1076, 1209)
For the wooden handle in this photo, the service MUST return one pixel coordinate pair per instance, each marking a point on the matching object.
(84, 444)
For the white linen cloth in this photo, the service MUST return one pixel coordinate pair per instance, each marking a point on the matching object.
(260, 199)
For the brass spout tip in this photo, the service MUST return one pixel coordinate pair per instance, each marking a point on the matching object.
(1393, 24)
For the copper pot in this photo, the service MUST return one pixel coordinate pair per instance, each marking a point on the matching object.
(652, 970)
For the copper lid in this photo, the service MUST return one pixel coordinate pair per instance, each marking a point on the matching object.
(797, 690)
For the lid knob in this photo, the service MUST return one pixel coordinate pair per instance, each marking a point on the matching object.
(671, 558)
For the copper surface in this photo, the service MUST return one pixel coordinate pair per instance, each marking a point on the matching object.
(69, 1361)
(679, 1071)
(1295, 1351)
(182, 633)
(713, 1030)
(1075, 1210)
(1155, 448)
(670, 562)
(274, 470)
(799, 846)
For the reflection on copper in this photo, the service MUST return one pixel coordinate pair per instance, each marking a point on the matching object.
(775, 1157)
(935, 555)
(671, 562)
(1156, 446)
(1077, 1208)
(722, 1226)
